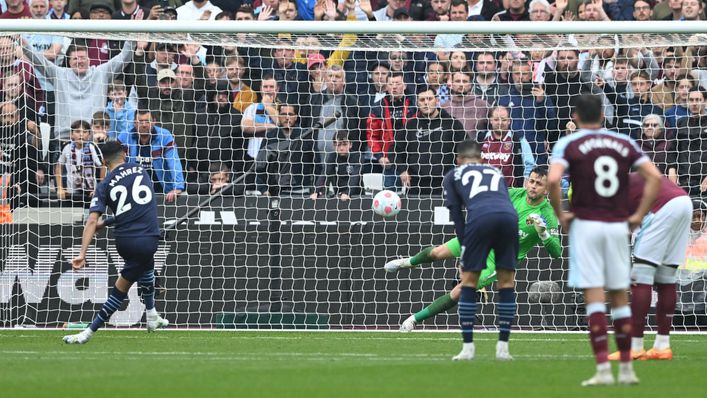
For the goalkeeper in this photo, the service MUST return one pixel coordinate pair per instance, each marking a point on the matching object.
(537, 223)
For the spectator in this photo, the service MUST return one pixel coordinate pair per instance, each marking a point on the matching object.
(58, 10)
(375, 88)
(386, 13)
(142, 73)
(219, 177)
(121, 112)
(79, 165)
(683, 85)
(173, 109)
(100, 124)
(692, 10)
(539, 11)
(593, 11)
(316, 65)
(533, 114)
(215, 72)
(343, 171)
(516, 11)
(10, 64)
(287, 159)
(464, 106)
(630, 111)
(653, 140)
(292, 76)
(390, 116)
(504, 149)
(218, 134)
(13, 91)
(327, 105)
(687, 155)
(198, 10)
(153, 147)
(258, 118)
(565, 84)
(486, 85)
(458, 61)
(642, 10)
(49, 45)
(424, 152)
(436, 79)
(241, 95)
(287, 11)
(80, 88)
(662, 94)
(439, 10)
(130, 9)
(458, 11)
(16, 9)
(19, 156)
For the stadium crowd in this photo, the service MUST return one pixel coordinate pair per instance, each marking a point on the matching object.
(312, 122)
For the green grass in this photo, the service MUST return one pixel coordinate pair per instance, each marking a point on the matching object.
(294, 364)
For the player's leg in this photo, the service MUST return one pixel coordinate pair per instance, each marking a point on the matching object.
(467, 313)
(642, 277)
(665, 277)
(617, 265)
(586, 272)
(147, 293)
(115, 300)
(451, 249)
(506, 248)
(449, 300)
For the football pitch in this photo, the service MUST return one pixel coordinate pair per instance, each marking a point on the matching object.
(325, 364)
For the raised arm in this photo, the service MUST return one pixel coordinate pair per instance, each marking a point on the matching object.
(116, 64)
(39, 61)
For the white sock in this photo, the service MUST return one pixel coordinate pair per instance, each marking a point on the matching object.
(502, 345)
(88, 331)
(662, 342)
(604, 367)
(152, 313)
(636, 343)
(468, 347)
(626, 367)
(406, 262)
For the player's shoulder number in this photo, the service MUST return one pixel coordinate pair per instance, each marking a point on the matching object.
(476, 178)
(141, 194)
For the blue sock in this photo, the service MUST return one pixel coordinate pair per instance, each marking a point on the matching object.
(467, 313)
(506, 311)
(147, 289)
(109, 307)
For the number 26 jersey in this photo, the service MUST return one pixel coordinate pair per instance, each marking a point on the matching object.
(128, 192)
(598, 162)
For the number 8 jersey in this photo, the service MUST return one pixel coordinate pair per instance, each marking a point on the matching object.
(599, 162)
(127, 190)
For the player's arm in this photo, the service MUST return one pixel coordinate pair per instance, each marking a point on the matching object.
(88, 231)
(547, 231)
(650, 173)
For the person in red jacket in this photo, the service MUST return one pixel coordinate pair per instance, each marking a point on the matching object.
(391, 115)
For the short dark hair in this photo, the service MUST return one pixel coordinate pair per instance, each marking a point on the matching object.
(143, 110)
(75, 47)
(641, 74)
(588, 108)
(396, 74)
(246, 10)
(425, 88)
(469, 149)
(699, 90)
(112, 150)
(102, 118)
(342, 136)
(80, 124)
(219, 167)
(457, 3)
(540, 171)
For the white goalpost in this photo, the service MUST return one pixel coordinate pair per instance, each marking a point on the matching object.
(273, 139)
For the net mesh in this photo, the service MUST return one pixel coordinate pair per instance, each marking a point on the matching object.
(295, 244)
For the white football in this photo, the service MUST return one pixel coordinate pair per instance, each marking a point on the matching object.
(387, 203)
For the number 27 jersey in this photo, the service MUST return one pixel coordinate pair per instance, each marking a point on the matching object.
(127, 190)
(481, 189)
(598, 162)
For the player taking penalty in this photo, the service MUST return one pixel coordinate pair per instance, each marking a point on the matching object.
(659, 247)
(127, 191)
(598, 223)
(536, 224)
(491, 223)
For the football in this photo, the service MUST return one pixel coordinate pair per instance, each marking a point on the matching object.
(386, 203)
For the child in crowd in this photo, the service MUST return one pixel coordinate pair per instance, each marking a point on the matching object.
(121, 111)
(78, 166)
(100, 125)
(343, 170)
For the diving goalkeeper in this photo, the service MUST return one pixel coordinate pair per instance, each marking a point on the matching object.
(536, 223)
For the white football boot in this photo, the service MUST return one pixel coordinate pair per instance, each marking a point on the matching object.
(409, 324)
(626, 374)
(603, 377)
(466, 354)
(155, 321)
(80, 338)
(502, 353)
(398, 264)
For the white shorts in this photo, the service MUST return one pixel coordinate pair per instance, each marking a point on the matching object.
(599, 255)
(664, 235)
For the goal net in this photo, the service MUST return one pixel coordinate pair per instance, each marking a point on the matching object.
(303, 124)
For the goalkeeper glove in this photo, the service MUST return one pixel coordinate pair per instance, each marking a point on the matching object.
(540, 226)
